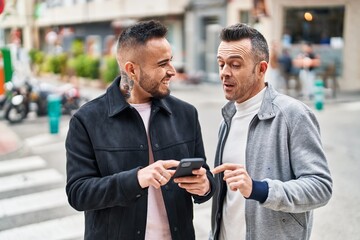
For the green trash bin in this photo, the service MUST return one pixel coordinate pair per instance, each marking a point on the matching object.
(319, 95)
(54, 112)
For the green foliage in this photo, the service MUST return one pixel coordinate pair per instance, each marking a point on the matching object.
(32, 54)
(46, 64)
(37, 57)
(110, 69)
(86, 66)
(92, 67)
(77, 63)
(55, 64)
(62, 60)
(77, 48)
(71, 66)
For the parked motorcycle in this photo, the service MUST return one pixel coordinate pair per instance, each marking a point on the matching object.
(33, 94)
(71, 99)
(16, 107)
(5, 98)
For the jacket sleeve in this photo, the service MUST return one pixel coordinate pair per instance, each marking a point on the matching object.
(86, 188)
(199, 151)
(311, 185)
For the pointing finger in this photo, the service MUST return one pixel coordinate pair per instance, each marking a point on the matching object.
(225, 166)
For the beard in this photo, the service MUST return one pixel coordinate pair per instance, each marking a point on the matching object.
(243, 90)
(154, 88)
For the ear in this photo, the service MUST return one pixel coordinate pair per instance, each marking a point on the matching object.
(263, 65)
(129, 68)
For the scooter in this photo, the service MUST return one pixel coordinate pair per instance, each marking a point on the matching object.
(5, 97)
(34, 94)
(71, 100)
(19, 101)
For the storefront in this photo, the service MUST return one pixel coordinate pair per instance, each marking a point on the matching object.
(331, 25)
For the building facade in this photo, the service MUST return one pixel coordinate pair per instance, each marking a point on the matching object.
(54, 24)
(332, 29)
(194, 26)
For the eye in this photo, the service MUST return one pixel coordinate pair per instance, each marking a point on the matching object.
(221, 65)
(235, 65)
(165, 63)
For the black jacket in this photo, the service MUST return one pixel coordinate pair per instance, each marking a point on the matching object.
(107, 144)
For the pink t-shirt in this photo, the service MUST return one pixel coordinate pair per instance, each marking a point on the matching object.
(157, 224)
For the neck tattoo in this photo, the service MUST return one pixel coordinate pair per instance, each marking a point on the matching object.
(126, 85)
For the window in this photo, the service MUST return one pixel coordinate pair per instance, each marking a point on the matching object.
(316, 25)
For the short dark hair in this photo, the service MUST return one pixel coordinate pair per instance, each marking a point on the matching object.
(241, 31)
(140, 33)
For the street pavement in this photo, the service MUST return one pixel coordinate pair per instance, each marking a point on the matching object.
(31, 189)
(9, 141)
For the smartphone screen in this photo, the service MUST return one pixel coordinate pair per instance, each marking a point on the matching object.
(187, 165)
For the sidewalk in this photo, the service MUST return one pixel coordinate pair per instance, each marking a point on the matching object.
(10, 142)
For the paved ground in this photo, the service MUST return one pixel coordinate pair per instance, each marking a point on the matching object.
(340, 126)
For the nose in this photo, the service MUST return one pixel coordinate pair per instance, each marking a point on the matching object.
(171, 71)
(225, 72)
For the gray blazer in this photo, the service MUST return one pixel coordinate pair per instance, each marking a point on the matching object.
(285, 150)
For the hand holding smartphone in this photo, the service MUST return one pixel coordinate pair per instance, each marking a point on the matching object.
(187, 165)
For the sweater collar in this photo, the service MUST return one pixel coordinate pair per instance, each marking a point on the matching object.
(251, 105)
(266, 109)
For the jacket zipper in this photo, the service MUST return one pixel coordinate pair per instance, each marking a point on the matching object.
(221, 150)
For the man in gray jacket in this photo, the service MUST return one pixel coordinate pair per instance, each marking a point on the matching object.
(270, 165)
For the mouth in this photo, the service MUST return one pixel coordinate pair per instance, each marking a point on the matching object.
(166, 81)
(228, 86)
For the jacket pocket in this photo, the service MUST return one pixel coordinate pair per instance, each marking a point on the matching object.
(292, 226)
(298, 218)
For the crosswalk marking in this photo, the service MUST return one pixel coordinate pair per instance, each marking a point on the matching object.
(33, 202)
(26, 174)
(46, 138)
(30, 179)
(21, 164)
(48, 148)
(70, 227)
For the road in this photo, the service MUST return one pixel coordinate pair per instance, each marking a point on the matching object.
(39, 209)
(33, 203)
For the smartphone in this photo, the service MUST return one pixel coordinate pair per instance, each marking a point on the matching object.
(187, 165)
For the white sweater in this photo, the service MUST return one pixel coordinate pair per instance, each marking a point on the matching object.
(233, 225)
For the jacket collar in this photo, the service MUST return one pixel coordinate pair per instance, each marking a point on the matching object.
(117, 102)
(266, 109)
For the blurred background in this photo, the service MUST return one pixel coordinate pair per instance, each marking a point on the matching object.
(66, 49)
(62, 34)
